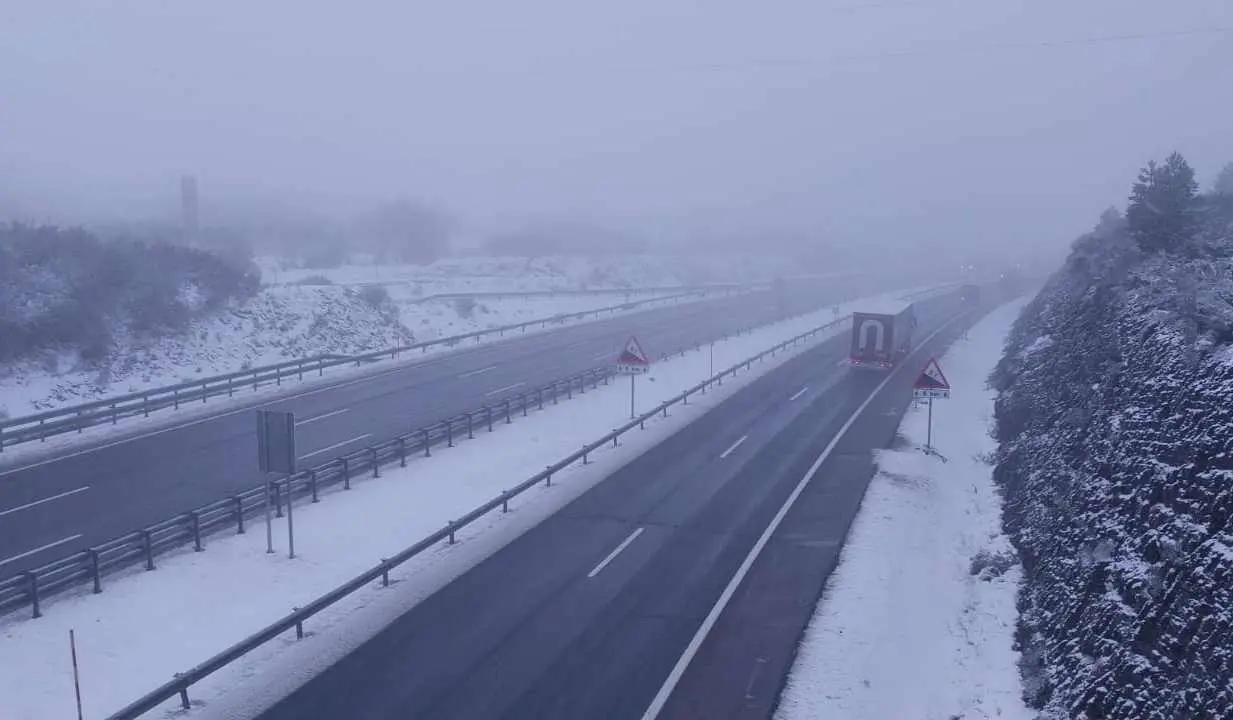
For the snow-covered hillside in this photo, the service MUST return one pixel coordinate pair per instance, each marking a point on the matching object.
(1115, 422)
(511, 274)
(346, 315)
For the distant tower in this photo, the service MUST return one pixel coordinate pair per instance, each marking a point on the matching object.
(188, 205)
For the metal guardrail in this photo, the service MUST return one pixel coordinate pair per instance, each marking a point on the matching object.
(143, 546)
(77, 418)
(179, 685)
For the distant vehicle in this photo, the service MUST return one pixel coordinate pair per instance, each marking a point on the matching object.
(882, 337)
(969, 295)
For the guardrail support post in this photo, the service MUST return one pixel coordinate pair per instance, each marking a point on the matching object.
(184, 704)
(204, 393)
(665, 411)
(148, 545)
(196, 521)
(95, 572)
(278, 376)
(539, 392)
(523, 400)
(300, 368)
(427, 445)
(145, 405)
(488, 415)
(299, 626)
(470, 428)
(402, 452)
(320, 367)
(505, 501)
(276, 489)
(114, 415)
(376, 468)
(230, 388)
(239, 514)
(312, 483)
(584, 455)
(569, 389)
(34, 594)
(452, 527)
(449, 433)
(507, 420)
(548, 477)
(175, 396)
(346, 473)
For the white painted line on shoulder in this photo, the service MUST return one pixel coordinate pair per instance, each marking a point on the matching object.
(624, 544)
(335, 446)
(678, 671)
(481, 371)
(798, 393)
(37, 550)
(733, 447)
(321, 417)
(498, 391)
(29, 505)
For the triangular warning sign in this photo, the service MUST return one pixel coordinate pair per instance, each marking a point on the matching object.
(931, 378)
(633, 354)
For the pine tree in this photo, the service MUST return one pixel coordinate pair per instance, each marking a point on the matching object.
(1224, 181)
(1161, 215)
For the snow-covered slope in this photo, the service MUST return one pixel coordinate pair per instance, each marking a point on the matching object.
(510, 274)
(278, 324)
(1115, 418)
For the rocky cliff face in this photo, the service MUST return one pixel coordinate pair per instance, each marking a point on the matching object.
(1115, 424)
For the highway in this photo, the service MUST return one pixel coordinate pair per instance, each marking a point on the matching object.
(588, 614)
(67, 503)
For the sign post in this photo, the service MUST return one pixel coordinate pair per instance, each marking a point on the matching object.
(930, 385)
(632, 362)
(276, 456)
(76, 677)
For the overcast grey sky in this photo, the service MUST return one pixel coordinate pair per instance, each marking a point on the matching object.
(936, 120)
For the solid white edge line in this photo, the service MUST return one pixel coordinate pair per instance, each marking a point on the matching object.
(612, 555)
(678, 671)
(799, 393)
(48, 546)
(498, 391)
(335, 446)
(29, 505)
(733, 447)
(315, 418)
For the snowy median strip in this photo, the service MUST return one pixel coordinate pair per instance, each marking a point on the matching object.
(146, 626)
(918, 619)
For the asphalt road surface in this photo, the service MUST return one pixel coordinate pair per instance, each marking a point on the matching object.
(86, 496)
(587, 614)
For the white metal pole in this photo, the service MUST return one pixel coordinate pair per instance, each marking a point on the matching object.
(269, 523)
(290, 524)
(631, 396)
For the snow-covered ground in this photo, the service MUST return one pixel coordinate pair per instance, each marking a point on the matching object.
(145, 626)
(917, 622)
(281, 323)
(512, 274)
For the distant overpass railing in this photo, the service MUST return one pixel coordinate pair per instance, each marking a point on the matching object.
(77, 418)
